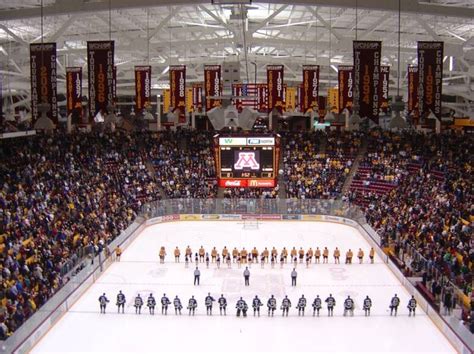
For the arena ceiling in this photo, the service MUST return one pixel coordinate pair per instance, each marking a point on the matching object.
(193, 32)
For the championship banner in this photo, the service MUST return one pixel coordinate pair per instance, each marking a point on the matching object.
(413, 99)
(212, 85)
(166, 101)
(430, 77)
(290, 99)
(345, 77)
(333, 99)
(383, 87)
(276, 94)
(142, 87)
(74, 91)
(178, 90)
(100, 63)
(197, 98)
(189, 100)
(43, 79)
(366, 78)
(310, 89)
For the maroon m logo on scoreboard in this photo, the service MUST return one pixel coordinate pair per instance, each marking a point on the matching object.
(246, 160)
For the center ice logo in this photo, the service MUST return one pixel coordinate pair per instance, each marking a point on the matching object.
(247, 160)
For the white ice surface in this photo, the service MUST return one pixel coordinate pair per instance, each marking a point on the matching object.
(84, 329)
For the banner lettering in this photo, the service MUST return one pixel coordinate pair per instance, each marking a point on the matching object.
(74, 92)
(178, 91)
(212, 85)
(276, 95)
(142, 87)
(310, 89)
(346, 87)
(430, 77)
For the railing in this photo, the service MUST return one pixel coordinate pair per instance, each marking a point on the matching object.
(226, 209)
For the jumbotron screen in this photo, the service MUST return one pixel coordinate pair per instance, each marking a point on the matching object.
(250, 161)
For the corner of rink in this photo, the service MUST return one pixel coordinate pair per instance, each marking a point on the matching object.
(139, 271)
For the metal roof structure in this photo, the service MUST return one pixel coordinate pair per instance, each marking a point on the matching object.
(193, 32)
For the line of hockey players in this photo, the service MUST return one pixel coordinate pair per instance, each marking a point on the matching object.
(266, 256)
(242, 307)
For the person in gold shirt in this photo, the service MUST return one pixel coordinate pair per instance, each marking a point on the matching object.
(177, 253)
(189, 253)
(325, 255)
(235, 254)
(225, 252)
(349, 255)
(274, 252)
(360, 255)
(310, 254)
(337, 254)
(371, 255)
(284, 254)
(202, 253)
(162, 254)
(254, 255)
(265, 255)
(213, 254)
(317, 254)
(243, 255)
(301, 254)
(118, 253)
(293, 253)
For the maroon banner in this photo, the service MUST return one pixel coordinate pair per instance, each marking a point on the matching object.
(197, 98)
(100, 55)
(345, 78)
(178, 90)
(430, 77)
(383, 87)
(212, 85)
(276, 94)
(74, 91)
(413, 99)
(310, 90)
(262, 98)
(366, 78)
(142, 87)
(43, 79)
(115, 84)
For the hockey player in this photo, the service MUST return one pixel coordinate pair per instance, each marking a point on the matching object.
(271, 304)
(301, 254)
(227, 260)
(235, 254)
(360, 255)
(337, 254)
(317, 254)
(308, 259)
(192, 304)
(218, 261)
(262, 260)
(272, 261)
(222, 304)
(411, 305)
(138, 304)
(331, 302)
(371, 255)
(213, 254)
(177, 253)
(189, 253)
(225, 252)
(394, 304)
(285, 305)
(247, 276)
(202, 253)
(162, 254)
(282, 260)
(151, 303)
(266, 255)
(367, 305)
(256, 303)
(254, 254)
(121, 301)
(177, 305)
(207, 260)
(208, 302)
(293, 253)
(316, 305)
(103, 302)
(241, 308)
(348, 306)
(274, 252)
(284, 253)
(164, 304)
(186, 261)
(349, 255)
(301, 305)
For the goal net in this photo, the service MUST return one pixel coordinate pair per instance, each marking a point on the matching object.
(250, 224)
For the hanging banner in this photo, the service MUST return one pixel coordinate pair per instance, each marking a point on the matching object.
(212, 85)
(333, 99)
(197, 98)
(43, 79)
(413, 100)
(166, 101)
(345, 79)
(290, 99)
(142, 87)
(178, 91)
(115, 84)
(383, 88)
(74, 91)
(262, 98)
(276, 93)
(310, 89)
(430, 77)
(100, 62)
(366, 78)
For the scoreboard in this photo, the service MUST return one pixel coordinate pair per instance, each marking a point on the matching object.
(247, 161)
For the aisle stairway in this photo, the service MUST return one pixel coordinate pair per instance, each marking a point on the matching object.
(355, 167)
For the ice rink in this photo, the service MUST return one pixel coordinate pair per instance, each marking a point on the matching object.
(84, 329)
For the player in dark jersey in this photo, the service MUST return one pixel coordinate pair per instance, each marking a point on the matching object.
(192, 304)
(348, 306)
(367, 305)
(285, 306)
(177, 305)
(412, 305)
(256, 303)
(164, 304)
(151, 303)
(121, 301)
(208, 302)
(103, 302)
(301, 305)
(316, 305)
(222, 304)
(138, 304)
(394, 305)
(241, 308)
(331, 302)
(271, 304)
